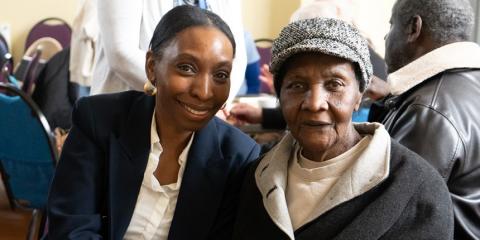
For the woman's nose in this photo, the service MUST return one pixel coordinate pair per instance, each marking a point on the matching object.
(315, 100)
(202, 88)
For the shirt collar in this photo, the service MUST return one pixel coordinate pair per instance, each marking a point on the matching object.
(450, 56)
(154, 139)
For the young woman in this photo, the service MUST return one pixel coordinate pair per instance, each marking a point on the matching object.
(162, 166)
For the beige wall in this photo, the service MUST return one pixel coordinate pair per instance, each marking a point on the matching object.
(21, 15)
(265, 18)
(373, 19)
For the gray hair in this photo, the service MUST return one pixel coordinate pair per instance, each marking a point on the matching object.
(444, 20)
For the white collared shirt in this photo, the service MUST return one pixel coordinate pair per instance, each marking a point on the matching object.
(155, 205)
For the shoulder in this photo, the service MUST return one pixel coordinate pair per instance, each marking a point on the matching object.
(444, 104)
(412, 166)
(234, 145)
(229, 134)
(105, 111)
(110, 101)
(417, 198)
(105, 105)
(417, 180)
(439, 90)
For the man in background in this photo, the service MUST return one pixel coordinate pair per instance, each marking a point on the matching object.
(434, 82)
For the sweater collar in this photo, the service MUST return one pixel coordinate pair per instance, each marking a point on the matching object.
(371, 168)
(450, 56)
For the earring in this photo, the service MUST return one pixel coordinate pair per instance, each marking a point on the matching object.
(149, 88)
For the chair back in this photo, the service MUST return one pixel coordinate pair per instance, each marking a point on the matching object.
(30, 65)
(49, 46)
(50, 27)
(30, 74)
(27, 150)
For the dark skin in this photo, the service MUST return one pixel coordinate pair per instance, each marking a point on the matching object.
(405, 43)
(318, 96)
(192, 77)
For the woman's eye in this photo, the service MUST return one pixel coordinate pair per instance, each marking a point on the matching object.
(296, 86)
(334, 85)
(186, 68)
(222, 76)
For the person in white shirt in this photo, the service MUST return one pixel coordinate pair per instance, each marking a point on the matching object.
(126, 27)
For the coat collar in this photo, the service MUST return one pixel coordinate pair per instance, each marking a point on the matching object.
(202, 187)
(128, 158)
(367, 172)
(450, 56)
(202, 184)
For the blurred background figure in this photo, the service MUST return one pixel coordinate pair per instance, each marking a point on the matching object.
(127, 26)
(251, 84)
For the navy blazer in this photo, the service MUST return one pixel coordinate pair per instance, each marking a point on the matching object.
(100, 172)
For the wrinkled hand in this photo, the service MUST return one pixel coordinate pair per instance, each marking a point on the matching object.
(377, 89)
(266, 78)
(246, 113)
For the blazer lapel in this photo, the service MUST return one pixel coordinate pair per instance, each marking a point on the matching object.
(202, 187)
(128, 158)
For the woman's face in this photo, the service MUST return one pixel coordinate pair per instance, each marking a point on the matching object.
(192, 76)
(318, 96)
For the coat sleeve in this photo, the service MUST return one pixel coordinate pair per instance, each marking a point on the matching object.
(428, 214)
(431, 135)
(74, 205)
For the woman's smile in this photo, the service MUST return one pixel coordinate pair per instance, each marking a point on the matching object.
(196, 111)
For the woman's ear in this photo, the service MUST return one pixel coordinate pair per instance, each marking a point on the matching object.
(150, 65)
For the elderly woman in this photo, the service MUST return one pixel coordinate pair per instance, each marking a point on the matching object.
(329, 178)
(161, 166)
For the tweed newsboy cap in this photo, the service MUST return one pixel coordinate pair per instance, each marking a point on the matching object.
(324, 35)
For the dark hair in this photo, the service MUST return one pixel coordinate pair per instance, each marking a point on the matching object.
(444, 20)
(278, 78)
(182, 17)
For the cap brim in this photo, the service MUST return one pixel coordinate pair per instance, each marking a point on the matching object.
(327, 46)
